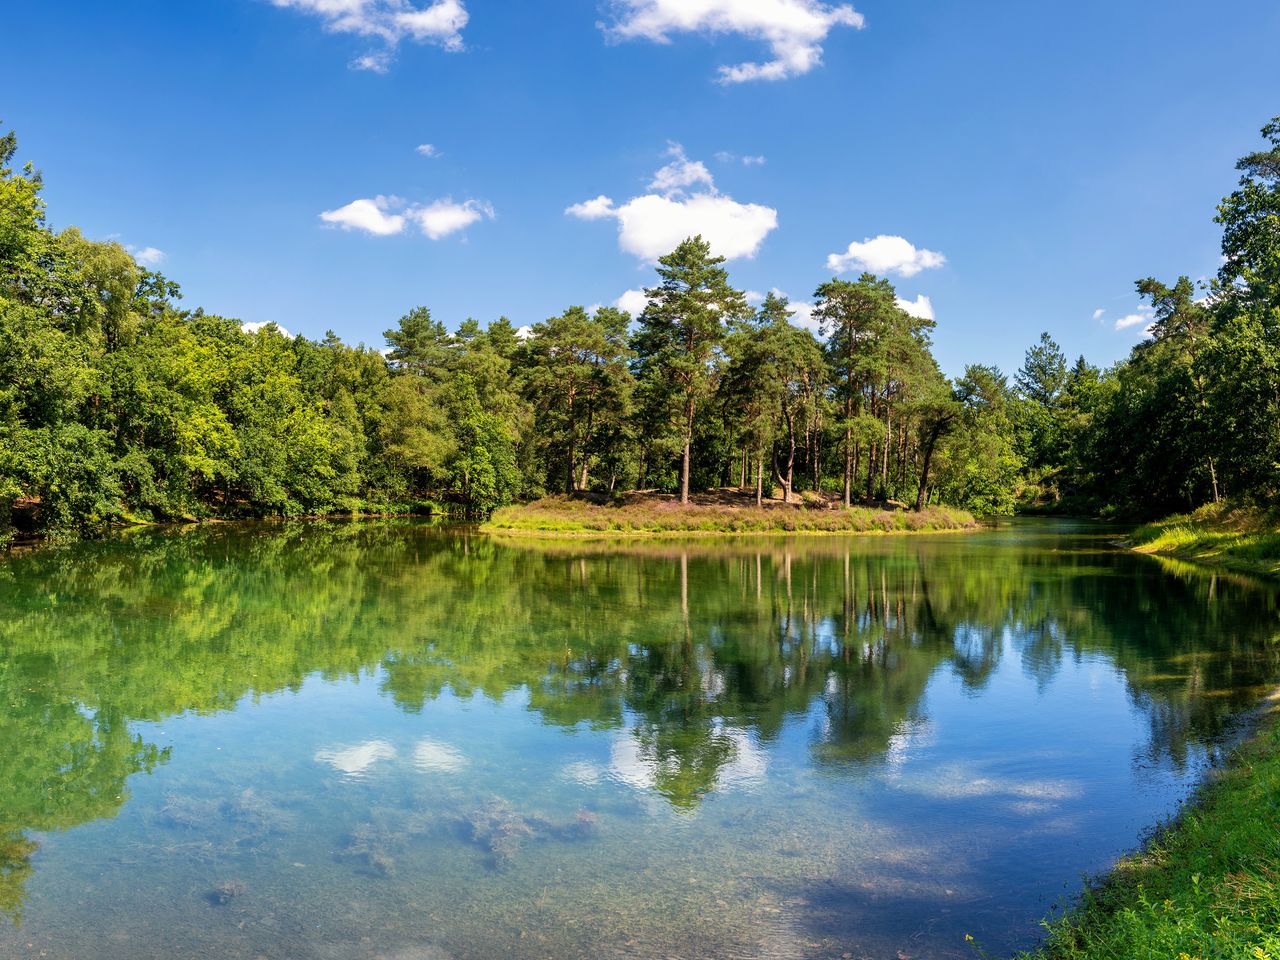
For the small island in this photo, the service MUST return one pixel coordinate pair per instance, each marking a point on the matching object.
(718, 512)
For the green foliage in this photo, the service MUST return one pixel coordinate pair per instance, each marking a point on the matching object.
(118, 406)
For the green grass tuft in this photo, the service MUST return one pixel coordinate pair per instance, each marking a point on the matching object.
(1231, 536)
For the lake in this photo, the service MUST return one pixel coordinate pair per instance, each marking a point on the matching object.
(400, 741)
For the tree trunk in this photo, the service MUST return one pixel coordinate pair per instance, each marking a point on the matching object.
(571, 453)
(760, 477)
(789, 478)
(924, 474)
(930, 443)
(688, 442)
(884, 459)
(857, 460)
(817, 464)
(871, 471)
(848, 466)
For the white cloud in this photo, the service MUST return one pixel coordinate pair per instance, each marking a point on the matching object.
(754, 297)
(793, 30)
(598, 209)
(387, 216)
(921, 307)
(756, 161)
(1097, 314)
(681, 172)
(883, 255)
(655, 223)
(148, 256)
(371, 216)
(443, 217)
(379, 62)
(438, 757)
(633, 302)
(356, 761)
(427, 150)
(263, 325)
(1142, 317)
(802, 316)
(391, 21)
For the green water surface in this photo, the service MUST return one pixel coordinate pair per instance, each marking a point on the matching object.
(405, 742)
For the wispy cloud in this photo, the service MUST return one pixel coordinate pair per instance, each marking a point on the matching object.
(387, 216)
(390, 22)
(793, 30)
(751, 160)
(1143, 317)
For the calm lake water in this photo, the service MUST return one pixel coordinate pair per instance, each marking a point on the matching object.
(404, 742)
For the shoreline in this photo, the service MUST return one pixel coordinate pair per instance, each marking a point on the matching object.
(1206, 882)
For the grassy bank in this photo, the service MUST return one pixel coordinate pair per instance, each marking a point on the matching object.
(1234, 537)
(657, 516)
(1207, 887)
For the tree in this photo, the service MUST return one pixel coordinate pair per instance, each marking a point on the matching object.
(1040, 383)
(773, 382)
(481, 468)
(680, 334)
(937, 412)
(981, 468)
(577, 380)
(853, 315)
(421, 345)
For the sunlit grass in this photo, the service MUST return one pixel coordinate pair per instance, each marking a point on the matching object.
(561, 516)
(1232, 536)
(1207, 887)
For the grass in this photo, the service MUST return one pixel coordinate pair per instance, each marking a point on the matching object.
(1232, 536)
(656, 516)
(1206, 888)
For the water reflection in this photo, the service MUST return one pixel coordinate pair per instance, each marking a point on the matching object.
(701, 663)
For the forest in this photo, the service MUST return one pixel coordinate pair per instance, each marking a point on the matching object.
(119, 405)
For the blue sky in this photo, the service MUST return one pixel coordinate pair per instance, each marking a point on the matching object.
(1035, 159)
